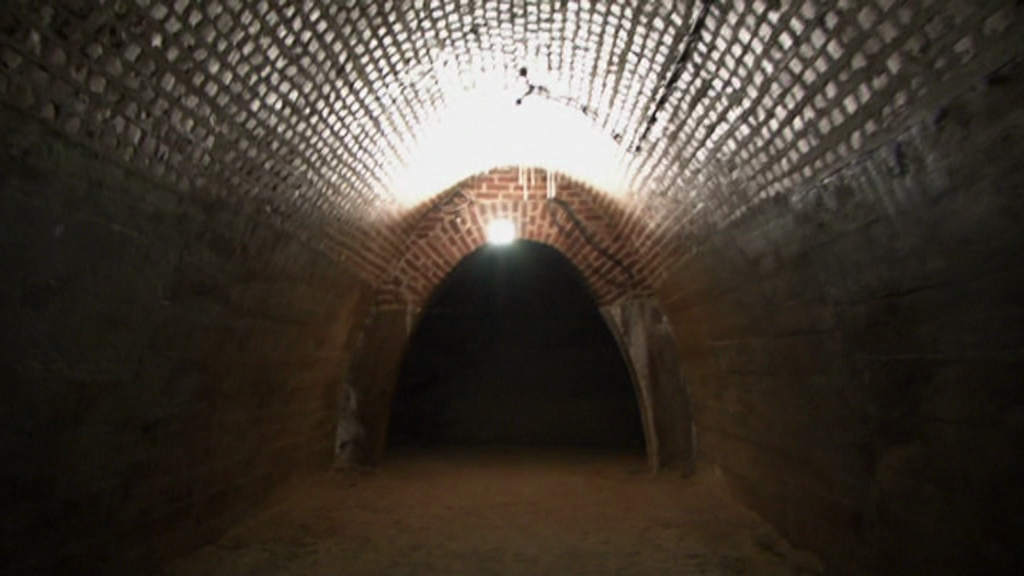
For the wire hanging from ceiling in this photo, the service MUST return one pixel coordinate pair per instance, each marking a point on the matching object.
(677, 71)
(589, 238)
(539, 90)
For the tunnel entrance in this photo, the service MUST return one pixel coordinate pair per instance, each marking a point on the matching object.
(511, 350)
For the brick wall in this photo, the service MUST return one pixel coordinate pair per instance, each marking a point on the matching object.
(439, 236)
(237, 185)
(854, 349)
(164, 364)
(309, 110)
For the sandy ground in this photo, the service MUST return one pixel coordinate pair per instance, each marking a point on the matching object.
(507, 512)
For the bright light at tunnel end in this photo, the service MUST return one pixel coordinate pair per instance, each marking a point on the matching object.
(482, 129)
(501, 232)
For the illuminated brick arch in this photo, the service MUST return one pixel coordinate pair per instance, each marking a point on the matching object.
(331, 121)
(445, 234)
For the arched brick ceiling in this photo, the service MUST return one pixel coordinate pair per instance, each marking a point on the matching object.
(325, 115)
(587, 226)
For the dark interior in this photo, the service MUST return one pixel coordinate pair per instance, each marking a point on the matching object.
(512, 350)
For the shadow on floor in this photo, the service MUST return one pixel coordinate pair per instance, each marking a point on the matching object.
(509, 511)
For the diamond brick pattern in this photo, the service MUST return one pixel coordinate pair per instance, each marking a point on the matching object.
(307, 110)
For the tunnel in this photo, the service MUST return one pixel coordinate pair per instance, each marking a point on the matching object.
(512, 351)
(227, 227)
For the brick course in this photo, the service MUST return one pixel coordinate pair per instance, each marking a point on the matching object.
(305, 111)
(442, 235)
(198, 214)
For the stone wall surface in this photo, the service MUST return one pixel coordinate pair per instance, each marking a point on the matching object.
(164, 363)
(645, 336)
(373, 377)
(854, 350)
(197, 212)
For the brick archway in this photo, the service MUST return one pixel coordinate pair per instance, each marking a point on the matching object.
(441, 238)
(590, 228)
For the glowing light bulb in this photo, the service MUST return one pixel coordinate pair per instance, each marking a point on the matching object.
(501, 232)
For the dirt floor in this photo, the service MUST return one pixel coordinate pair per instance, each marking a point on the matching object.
(507, 512)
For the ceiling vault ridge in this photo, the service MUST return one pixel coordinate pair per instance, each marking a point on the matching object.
(340, 121)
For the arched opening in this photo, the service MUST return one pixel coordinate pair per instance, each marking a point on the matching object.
(512, 350)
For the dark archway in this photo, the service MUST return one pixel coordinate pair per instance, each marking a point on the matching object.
(511, 349)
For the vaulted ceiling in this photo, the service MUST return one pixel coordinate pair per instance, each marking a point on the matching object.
(343, 122)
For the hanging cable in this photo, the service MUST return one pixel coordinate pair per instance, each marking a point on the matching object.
(454, 203)
(677, 70)
(450, 205)
(588, 237)
(544, 92)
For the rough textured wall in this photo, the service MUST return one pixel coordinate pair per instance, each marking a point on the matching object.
(645, 335)
(855, 351)
(163, 365)
(372, 379)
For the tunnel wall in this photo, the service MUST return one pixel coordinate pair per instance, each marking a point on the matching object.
(646, 339)
(854, 351)
(164, 364)
(373, 377)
